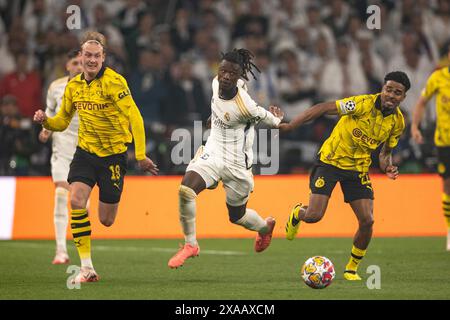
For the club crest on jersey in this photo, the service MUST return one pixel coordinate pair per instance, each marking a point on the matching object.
(320, 182)
(227, 116)
(348, 106)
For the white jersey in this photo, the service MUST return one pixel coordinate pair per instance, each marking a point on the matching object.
(232, 126)
(64, 142)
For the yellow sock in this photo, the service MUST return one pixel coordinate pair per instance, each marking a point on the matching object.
(81, 231)
(355, 259)
(446, 208)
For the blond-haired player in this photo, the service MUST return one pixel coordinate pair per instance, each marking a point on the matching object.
(106, 112)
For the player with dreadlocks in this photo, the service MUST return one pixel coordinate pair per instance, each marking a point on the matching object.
(227, 155)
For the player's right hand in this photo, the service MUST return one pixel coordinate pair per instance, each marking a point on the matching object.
(39, 117)
(44, 135)
(416, 135)
(148, 166)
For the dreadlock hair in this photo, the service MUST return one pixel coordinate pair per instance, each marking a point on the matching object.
(242, 57)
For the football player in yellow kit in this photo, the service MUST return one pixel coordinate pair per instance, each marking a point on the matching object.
(366, 122)
(438, 84)
(106, 111)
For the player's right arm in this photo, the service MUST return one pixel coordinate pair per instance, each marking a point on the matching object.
(62, 119)
(419, 109)
(310, 114)
(50, 111)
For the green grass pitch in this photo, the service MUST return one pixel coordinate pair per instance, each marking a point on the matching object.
(411, 268)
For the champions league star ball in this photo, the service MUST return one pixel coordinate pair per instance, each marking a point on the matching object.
(318, 272)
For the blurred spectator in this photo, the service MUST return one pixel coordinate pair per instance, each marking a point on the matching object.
(128, 17)
(205, 70)
(316, 26)
(321, 55)
(296, 85)
(373, 66)
(342, 77)
(211, 23)
(17, 139)
(337, 18)
(425, 41)
(186, 101)
(252, 21)
(24, 85)
(147, 85)
(182, 31)
(440, 25)
(264, 88)
(416, 65)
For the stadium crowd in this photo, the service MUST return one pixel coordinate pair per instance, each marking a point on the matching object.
(307, 50)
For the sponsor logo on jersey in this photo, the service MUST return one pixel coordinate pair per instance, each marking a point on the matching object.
(320, 182)
(358, 134)
(84, 105)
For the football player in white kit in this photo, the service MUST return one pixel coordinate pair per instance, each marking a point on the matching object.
(227, 156)
(63, 147)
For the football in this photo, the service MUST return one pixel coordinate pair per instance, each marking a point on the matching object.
(318, 272)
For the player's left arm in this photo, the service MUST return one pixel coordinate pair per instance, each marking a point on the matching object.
(126, 103)
(386, 162)
(385, 156)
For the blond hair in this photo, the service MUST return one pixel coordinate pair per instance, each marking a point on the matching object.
(94, 37)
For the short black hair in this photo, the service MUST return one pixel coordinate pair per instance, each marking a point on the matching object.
(400, 77)
(73, 53)
(242, 57)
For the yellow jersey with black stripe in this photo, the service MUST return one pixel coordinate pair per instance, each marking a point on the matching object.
(106, 111)
(439, 84)
(232, 126)
(362, 127)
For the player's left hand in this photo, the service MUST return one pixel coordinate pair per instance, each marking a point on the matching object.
(44, 135)
(277, 112)
(392, 172)
(148, 166)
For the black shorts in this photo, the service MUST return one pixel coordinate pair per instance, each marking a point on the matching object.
(444, 162)
(355, 185)
(108, 172)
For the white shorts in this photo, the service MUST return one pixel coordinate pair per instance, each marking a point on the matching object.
(63, 149)
(237, 181)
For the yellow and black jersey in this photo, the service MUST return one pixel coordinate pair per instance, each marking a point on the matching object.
(106, 110)
(360, 130)
(439, 83)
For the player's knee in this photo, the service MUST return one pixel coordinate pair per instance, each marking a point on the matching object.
(186, 194)
(235, 215)
(366, 223)
(107, 221)
(77, 201)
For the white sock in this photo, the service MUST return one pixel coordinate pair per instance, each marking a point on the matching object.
(87, 263)
(448, 240)
(61, 218)
(252, 221)
(187, 208)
